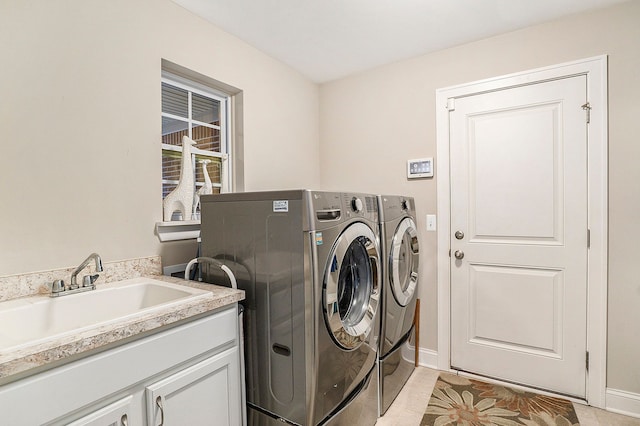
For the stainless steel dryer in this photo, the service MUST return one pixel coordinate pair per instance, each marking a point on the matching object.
(399, 241)
(309, 263)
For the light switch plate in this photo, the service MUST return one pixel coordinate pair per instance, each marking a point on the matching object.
(431, 222)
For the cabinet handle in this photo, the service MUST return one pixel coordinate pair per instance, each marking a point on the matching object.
(124, 420)
(159, 404)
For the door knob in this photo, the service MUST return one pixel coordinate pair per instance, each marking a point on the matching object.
(458, 254)
(459, 235)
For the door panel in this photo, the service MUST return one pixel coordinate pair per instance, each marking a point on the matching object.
(351, 288)
(404, 261)
(519, 194)
(198, 395)
(496, 317)
(513, 174)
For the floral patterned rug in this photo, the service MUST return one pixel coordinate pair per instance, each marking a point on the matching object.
(460, 401)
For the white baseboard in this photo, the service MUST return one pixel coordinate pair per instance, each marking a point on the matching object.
(623, 402)
(426, 357)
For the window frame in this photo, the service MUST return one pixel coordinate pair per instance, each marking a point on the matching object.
(224, 99)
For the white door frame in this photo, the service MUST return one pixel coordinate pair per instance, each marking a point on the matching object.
(596, 71)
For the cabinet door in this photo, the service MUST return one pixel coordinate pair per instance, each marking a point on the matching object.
(116, 414)
(207, 393)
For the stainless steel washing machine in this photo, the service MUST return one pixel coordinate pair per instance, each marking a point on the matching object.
(309, 263)
(399, 242)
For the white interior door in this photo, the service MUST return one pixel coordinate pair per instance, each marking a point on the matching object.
(518, 173)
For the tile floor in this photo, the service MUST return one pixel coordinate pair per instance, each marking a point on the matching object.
(409, 406)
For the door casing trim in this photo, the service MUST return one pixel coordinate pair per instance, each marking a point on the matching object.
(595, 69)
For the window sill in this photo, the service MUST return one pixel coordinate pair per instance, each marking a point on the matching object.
(178, 230)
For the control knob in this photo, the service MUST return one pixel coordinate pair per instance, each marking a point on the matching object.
(356, 204)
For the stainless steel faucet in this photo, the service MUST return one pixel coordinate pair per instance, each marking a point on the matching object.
(58, 288)
(98, 261)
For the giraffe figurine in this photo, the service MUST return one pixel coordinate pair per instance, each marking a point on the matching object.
(181, 198)
(207, 188)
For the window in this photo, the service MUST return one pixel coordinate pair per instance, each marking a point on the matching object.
(201, 113)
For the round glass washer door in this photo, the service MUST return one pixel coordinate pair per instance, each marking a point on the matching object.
(351, 286)
(403, 261)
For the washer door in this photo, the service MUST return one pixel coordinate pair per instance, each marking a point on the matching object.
(351, 286)
(403, 261)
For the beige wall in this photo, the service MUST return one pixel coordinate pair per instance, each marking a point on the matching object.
(80, 121)
(80, 125)
(373, 122)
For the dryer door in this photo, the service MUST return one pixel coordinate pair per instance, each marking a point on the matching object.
(351, 286)
(403, 261)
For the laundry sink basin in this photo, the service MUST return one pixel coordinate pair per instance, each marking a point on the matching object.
(38, 319)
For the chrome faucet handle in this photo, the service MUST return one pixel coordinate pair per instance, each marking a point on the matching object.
(88, 280)
(57, 286)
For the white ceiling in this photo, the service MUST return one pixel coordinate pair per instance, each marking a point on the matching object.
(330, 39)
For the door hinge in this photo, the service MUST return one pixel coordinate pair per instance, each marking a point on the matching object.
(451, 104)
(587, 108)
(588, 238)
(587, 361)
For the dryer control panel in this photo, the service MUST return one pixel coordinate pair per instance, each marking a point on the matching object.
(360, 205)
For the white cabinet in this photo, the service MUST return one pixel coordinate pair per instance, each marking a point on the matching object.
(193, 370)
(117, 414)
(197, 395)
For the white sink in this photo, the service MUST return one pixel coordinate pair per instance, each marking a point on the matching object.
(37, 319)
